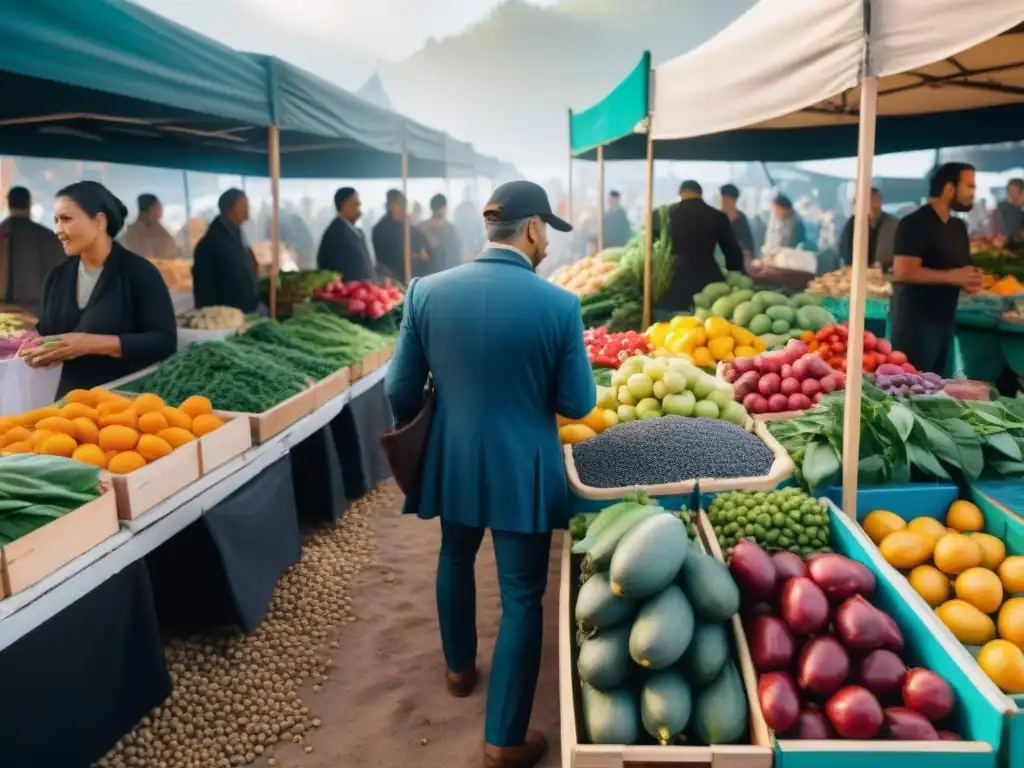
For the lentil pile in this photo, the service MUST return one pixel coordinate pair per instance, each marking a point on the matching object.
(235, 697)
(669, 449)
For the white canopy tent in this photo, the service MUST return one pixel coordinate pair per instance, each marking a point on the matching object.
(789, 64)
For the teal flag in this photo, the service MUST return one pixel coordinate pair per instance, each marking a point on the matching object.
(616, 115)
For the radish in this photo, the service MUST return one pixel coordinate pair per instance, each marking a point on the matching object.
(778, 403)
(789, 386)
(810, 387)
(769, 384)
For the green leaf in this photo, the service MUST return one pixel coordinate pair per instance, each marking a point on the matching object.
(820, 464)
(871, 471)
(926, 462)
(1007, 468)
(902, 419)
(1006, 445)
(972, 460)
(942, 445)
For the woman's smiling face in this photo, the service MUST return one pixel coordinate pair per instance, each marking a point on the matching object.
(75, 229)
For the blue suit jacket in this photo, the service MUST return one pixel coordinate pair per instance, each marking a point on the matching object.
(506, 351)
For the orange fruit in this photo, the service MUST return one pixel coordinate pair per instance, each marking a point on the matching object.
(993, 551)
(90, 454)
(81, 397)
(955, 553)
(102, 395)
(880, 523)
(39, 436)
(965, 516)
(78, 411)
(21, 447)
(57, 424)
(152, 447)
(928, 527)
(114, 405)
(981, 588)
(177, 417)
(1011, 621)
(125, 462)
(109, 454)
(147, 403)
(152, 422)
(125, 418)
(34, 417)
(15, 435)
(58, 445)
(118, 438)
(176, 436)
(8, 422)
(205, 423)
(86, 430)
(1011, 573)
(196, 405)
(930, 583)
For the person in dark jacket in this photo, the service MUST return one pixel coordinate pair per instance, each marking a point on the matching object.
(881, 235)
(697, 229)
(343, 246)
(730, 196)
(28, 251)
(224, 268)
(617, 229)
(1008, 218)
(108, 307)
(389, 241)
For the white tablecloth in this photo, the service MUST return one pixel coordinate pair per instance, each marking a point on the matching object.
(23, 388)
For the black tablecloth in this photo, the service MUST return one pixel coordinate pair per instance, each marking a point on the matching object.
(74, 685)
(357, 431)
(222, 569)
(317, 478)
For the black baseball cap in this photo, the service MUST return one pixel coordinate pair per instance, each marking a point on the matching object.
(520, 200)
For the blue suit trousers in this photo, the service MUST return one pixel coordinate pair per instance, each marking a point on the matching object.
(522, 561)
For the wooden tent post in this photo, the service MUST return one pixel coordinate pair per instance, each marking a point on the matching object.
(649, 224)
(858, 293)
(188, 215)
(600, 198)
(274, 142)
(407, 223)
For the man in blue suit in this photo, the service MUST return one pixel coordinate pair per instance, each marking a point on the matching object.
(505, 349)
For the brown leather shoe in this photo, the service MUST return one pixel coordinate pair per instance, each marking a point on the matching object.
(526, 755)
(460, 684)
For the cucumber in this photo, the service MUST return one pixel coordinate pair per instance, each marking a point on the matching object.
(707, 655)
(665, 705)
(604, 659)
(610, 717)
(598, 608)
(662, 630)
(600, 555)
(720, 710)
(710, 587)
(649, 556)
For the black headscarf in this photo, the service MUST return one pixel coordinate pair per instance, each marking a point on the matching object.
(93, 198)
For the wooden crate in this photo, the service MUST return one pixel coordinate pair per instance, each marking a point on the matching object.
(38, 554)
(224, 443)
(371, 363)
(841, 753)
(268, 424)
(139, 491)
(578, 755)
(386, 353)
(329, 388)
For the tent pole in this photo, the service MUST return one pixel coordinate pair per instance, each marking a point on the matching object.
(649, 224)
(275, 217)
(407, 224)
(188, 215)
(600, 198)
(858, 293)
(569, 208)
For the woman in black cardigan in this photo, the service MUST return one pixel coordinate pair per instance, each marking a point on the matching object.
(109, 308)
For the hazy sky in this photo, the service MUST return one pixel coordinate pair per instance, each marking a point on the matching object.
(390, 29)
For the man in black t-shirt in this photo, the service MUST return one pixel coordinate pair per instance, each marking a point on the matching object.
(932, 265)
(389, 241)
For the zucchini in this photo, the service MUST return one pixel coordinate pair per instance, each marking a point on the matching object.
(604, 518)
(611, 717)
(662, 630)
(649, 556)
(598, 608)
(604, 659)
(709, 585)
(707, 655)
(665, 705)
(720, 710)
(599, 557)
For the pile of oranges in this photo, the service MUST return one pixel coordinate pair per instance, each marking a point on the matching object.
(107, 430)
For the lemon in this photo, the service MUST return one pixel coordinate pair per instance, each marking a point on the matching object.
(718, 327)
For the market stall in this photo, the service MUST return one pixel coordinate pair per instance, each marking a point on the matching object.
(221, 491)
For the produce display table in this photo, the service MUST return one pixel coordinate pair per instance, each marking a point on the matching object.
(68, 638)
(25, 389)
(985, 346)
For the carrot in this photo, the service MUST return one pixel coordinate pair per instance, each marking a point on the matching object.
(812, 346)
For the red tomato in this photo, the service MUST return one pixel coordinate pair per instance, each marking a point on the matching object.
(909, 368)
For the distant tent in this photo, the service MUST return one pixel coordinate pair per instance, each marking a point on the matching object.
(373, 91)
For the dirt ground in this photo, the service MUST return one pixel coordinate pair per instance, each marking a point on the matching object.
(385, 703)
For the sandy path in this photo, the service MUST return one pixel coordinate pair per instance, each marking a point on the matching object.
(386, 703)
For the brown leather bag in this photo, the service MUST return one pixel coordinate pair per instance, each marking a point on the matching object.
(405, 445)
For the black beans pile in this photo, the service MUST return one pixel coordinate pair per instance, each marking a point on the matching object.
(669, 449)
